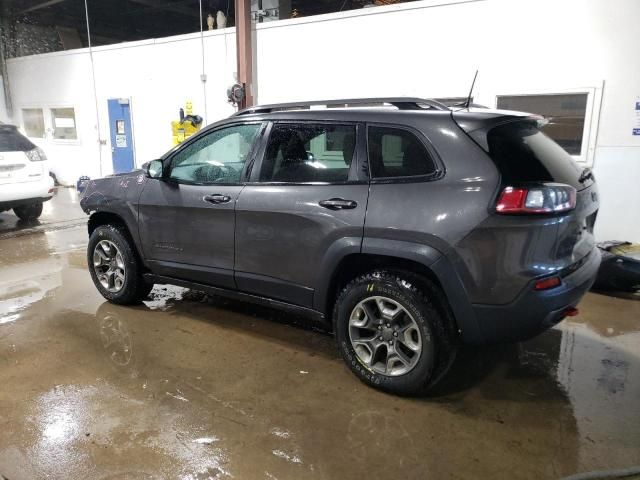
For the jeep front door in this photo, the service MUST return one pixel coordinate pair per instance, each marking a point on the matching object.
(187, 218)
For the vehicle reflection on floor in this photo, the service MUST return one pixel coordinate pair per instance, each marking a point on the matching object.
(192, 386)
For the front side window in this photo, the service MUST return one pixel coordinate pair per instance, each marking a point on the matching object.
(217, 157)
(33, 121)
(565, 114)
(397, 153)
(309, 153)
(64, 124)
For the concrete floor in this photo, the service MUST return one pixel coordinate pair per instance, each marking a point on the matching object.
(192, 387)
(61, 211)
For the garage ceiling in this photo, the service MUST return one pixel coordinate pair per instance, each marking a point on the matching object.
(117, 21)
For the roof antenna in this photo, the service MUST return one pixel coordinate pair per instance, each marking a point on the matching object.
(468, 102)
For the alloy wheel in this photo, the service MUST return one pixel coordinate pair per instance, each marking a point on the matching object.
(385, 336)
(108, 265)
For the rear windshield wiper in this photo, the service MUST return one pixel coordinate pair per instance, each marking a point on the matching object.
(586, 174)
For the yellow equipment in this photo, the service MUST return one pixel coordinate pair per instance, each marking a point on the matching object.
(187, 125)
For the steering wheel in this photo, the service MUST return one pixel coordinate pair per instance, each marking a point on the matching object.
(215, 173)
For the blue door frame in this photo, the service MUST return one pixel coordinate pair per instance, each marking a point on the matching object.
(122, 154)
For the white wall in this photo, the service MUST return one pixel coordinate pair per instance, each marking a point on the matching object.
(159, 76)
(428, 48)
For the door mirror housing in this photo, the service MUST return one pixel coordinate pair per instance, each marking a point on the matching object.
(153, 169)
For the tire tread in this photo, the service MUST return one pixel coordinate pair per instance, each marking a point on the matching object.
(136, 289)
(439, 314)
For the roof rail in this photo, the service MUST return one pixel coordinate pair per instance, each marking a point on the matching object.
(401, 103)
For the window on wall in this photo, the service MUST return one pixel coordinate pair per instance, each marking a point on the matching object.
(565, 114)
(33, 122)
(63, 121)
(453, 101)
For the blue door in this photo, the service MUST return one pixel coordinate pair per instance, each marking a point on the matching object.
(121, 137)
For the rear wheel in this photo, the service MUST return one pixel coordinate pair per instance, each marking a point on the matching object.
(28, 212)
(114, 266)
(390, 333)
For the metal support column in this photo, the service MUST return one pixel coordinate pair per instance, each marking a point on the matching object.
(5, 41)
(244, 50)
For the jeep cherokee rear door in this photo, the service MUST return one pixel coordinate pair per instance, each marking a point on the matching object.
(302, 210)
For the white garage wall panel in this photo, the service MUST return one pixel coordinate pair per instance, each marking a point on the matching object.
(427, 49)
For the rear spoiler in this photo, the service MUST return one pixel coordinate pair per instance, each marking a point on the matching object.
(476, 124)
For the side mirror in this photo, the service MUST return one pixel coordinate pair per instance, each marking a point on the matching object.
(153, 169)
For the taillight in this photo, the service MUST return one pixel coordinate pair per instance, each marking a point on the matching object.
(36, 155)
(547, 198)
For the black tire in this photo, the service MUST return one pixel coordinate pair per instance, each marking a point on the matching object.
(134, 288)
(28, 212)
(438, 348)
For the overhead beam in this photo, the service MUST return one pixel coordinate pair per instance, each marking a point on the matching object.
(244, 50)
(48, 3)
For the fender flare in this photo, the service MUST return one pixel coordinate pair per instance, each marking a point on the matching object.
(427, 256)
(133, 232)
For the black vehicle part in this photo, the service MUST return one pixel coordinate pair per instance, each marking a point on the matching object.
(620, 267)
(82, 182)
(28, 212)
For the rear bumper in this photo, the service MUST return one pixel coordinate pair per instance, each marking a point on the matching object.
(535, 311)
(16, 194)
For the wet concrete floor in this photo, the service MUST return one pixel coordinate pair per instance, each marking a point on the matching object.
(192, 387)
(63, 209)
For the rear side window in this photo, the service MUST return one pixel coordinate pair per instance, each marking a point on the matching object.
(523, 154)
(397, 153)
(12, 141)
(302, 153)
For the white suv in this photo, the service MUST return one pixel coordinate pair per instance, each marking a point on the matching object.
(24, 175)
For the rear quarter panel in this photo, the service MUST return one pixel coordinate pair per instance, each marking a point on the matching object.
(439, 213)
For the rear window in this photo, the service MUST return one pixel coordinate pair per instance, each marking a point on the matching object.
(523, 154)
(12, 141)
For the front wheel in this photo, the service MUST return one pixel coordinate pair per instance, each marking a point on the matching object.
(28, 212)
(390, 334)
(114, 266)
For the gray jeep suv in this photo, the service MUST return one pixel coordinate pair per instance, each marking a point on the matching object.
(407, 227)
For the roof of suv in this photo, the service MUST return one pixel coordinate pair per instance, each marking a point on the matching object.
(401, 103)
(392, 109)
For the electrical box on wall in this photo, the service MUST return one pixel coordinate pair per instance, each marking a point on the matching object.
(270, 10)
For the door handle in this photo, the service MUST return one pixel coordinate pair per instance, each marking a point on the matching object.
(217, 198)
(338, 204)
